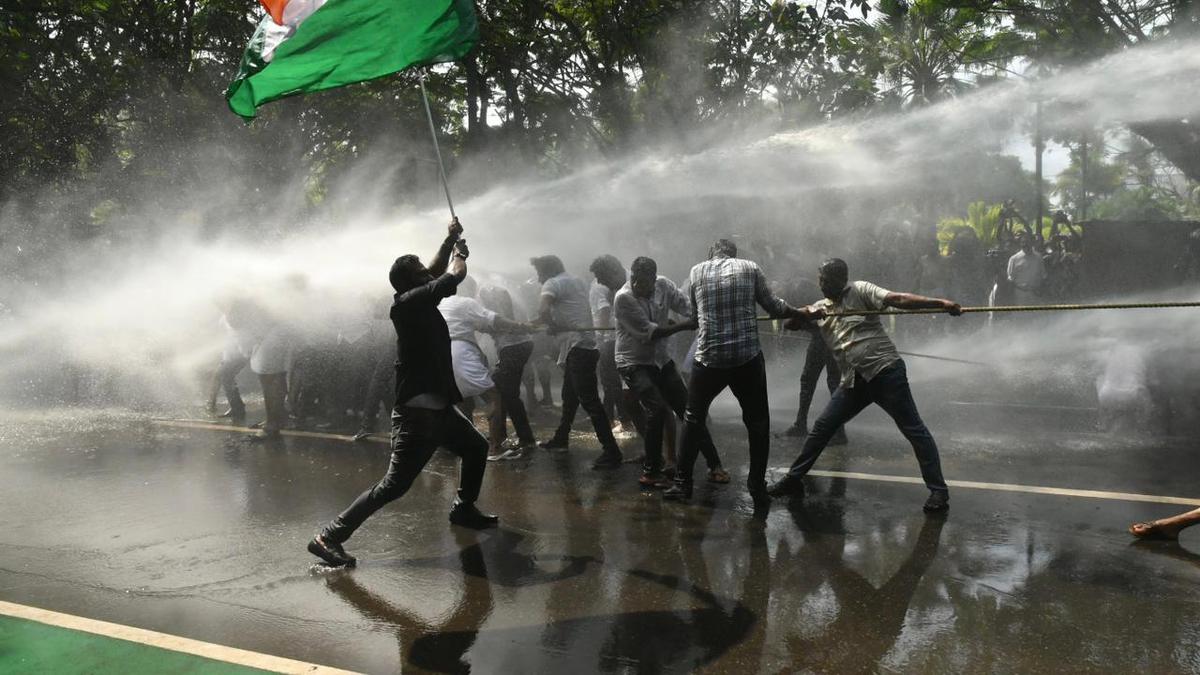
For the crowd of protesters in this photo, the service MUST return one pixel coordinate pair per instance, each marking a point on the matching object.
(335, 371)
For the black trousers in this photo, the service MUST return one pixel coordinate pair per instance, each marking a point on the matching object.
(749, 384)
(817, 357)
(507, 376)
(579, 389)
(610, 384)
(416, 433)
(661, 392)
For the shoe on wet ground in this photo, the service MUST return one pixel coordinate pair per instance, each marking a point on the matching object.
(787, 487)
(939, 501)
(839, 437)
(506, 455)
(608, 460)
(362, 435)
(555, 444)
(654, 480)
(266, 435)
(678, 492)
(718, 475)
(234, 413)
(331, 553)
(467, 515)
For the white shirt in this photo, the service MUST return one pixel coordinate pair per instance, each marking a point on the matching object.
(600, 297)
(638, 317)
(570, 308)
(464, 316)
(1026, 271)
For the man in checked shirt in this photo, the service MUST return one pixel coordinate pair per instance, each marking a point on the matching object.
(724, 292)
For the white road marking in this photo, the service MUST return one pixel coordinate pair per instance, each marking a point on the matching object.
(208, 650)
(1009, 487)
(214, 426)
(969, 484)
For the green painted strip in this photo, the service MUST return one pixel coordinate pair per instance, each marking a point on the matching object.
(31, 647)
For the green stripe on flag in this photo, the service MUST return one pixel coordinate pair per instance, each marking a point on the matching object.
(348, 41)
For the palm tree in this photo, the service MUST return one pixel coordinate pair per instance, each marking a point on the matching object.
(926, 50)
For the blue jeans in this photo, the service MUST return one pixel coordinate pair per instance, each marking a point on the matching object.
(889, 390)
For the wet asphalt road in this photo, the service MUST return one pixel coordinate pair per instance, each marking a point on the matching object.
(201, 534)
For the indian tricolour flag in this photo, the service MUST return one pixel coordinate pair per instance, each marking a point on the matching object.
(309, 45)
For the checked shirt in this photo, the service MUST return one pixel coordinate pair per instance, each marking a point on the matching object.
(724, 292)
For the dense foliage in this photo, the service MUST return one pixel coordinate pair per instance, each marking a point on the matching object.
(107, 101)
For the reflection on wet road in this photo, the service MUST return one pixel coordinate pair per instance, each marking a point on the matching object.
(201, 534)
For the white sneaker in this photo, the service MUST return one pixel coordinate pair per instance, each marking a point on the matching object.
(509, 454)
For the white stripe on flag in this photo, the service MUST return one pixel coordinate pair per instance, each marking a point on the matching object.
(294, 14)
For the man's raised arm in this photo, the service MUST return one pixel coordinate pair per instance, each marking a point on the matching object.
(441, 259)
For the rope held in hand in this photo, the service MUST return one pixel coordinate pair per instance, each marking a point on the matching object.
(973, 310)
(1014, 308)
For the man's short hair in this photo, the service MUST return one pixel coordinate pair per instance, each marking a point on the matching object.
(643, 266)
(723, 247)
(398, 276)
(606, 264)
(548, 265)
(834, 267)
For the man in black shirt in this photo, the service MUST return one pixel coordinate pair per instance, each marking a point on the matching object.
(425, 416)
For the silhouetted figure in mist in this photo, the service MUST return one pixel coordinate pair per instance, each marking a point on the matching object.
(641, 309)
(872, 372)
(969, 269)
(610, 277)
(538, 371)
(425, 416)
(513, 351)
(817, 358)
(1026, 271)
(1187, 270)
(381, 385)
(225, 378)
(267, 342)
(565, 309)
(724, 292)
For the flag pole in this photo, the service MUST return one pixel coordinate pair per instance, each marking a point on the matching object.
(436, 148)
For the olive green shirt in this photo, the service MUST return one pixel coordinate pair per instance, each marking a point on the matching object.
(859, 343)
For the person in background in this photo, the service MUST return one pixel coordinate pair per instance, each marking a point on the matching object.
(817, 358)
(513, 350)
(872, 372)
(609, 276)
(381, 386)
(1026, 271)
(425, 416)
(267, 340)
(564, 309)
(724, 292)
(642, 308)
(225, 377)
(541, 361)
(464, 316)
